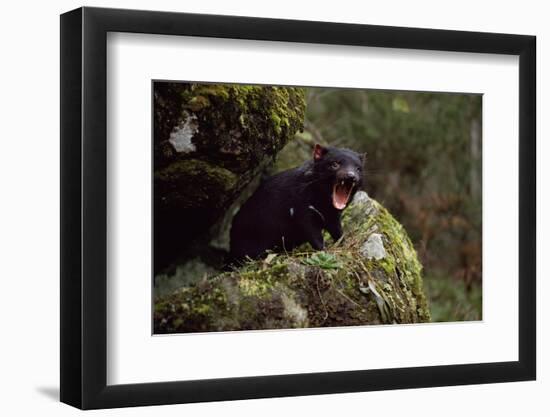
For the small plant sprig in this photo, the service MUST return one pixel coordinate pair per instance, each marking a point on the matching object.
(323, 260)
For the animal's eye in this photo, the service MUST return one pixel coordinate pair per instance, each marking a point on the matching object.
(335, 165)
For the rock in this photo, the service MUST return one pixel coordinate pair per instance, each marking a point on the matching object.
(210, 142)
(361, 198)
(337, 287)
(373, 248)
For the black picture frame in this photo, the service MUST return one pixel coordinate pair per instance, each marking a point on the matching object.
(84, 207)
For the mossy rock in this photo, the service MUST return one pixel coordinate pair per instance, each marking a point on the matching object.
(210, 142)
(371, 276)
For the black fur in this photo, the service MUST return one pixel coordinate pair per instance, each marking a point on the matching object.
(294, 206)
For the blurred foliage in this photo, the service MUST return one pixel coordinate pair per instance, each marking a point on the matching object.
(424, 165)
(451, 300)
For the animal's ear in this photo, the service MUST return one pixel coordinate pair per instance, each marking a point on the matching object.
(363, 158)
(319, 152)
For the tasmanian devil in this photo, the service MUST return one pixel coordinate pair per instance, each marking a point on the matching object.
(294, 206)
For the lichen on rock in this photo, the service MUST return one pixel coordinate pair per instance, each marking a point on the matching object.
(373, 248)
(337, 287)
(182, 134)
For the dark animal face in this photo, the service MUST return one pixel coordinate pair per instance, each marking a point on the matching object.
(342, 170)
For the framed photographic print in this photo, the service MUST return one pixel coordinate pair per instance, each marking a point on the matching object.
(257, 208)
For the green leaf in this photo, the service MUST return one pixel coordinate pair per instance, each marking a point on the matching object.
(323, 260)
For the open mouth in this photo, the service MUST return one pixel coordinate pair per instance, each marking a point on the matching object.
(341, 192)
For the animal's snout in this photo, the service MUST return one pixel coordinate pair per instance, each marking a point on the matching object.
(349, 175)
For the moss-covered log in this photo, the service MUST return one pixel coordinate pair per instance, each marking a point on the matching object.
(371, 276)
(210, 142)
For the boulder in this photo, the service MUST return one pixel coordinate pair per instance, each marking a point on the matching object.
(211, 141)
(371, 276)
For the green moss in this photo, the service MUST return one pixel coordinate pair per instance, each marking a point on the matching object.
(194, 183)
(198, 103)
(219, 91)
(251, 286)
(276, 123)
(195, 168)
(269, 112)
